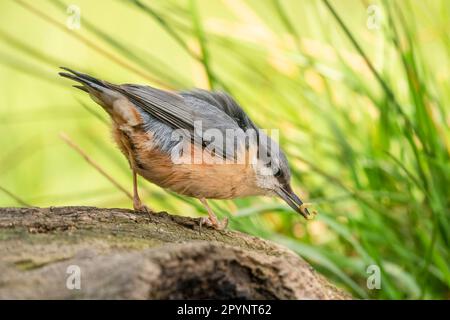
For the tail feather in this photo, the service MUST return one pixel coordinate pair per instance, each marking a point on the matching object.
(83, 88)
(84, 79)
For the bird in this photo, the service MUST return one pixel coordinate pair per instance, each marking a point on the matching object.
(145, 120)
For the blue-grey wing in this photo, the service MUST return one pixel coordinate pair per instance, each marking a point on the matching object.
(224, 102)
(184, 111)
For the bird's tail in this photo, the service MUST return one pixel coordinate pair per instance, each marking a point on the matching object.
(87, 82)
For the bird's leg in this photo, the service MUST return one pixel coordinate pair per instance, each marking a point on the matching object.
(137, 204)
(212, 220)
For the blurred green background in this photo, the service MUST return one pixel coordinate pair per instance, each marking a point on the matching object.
(359, 90)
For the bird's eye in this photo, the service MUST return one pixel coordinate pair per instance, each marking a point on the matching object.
(277, 173)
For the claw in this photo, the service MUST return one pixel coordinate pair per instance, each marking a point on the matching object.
(141, 207)
(213, 223)
(211, 220)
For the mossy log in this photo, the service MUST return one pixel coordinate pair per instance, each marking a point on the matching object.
(122, 254)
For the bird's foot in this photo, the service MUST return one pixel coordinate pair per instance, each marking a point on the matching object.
(213, 222)
(138, 206)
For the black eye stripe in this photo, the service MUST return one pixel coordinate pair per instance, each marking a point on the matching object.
(277, 173)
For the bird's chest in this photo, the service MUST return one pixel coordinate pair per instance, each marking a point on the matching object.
(214, 181)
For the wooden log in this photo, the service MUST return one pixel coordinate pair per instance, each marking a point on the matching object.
(122, 254)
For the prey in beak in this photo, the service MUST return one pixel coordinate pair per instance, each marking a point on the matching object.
(288, 195)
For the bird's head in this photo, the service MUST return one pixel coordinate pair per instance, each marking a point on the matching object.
(273, 175)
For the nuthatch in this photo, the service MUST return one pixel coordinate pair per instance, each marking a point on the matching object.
(144, 123)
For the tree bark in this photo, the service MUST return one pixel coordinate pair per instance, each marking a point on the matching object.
(123, 254)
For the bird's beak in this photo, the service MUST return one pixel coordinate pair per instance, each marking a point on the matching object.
(293, 200)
